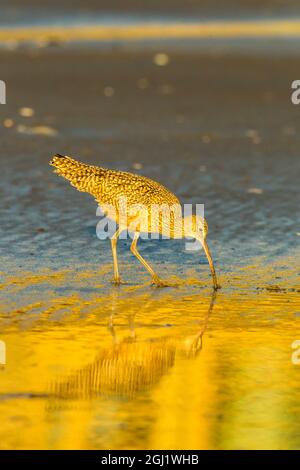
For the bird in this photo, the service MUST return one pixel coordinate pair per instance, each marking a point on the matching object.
(136, 203)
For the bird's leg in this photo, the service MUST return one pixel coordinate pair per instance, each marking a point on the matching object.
(133, 248)
(114, 240)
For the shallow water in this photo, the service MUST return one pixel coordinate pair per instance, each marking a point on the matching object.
(90, 365)
(142, 367)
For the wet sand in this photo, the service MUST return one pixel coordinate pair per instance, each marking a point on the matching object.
(16, 8)
(216, 128)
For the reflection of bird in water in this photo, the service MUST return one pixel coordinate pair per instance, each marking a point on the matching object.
(129, 366)
(128, 199)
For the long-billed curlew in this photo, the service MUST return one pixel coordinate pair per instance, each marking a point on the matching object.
(142, 195)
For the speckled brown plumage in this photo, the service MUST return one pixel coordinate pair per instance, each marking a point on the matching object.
(108, 185)
(111, 187)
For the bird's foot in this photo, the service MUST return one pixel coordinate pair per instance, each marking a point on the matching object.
(159, 283)
(117, 281)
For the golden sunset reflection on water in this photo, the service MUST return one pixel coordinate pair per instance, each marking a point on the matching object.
(176, 368)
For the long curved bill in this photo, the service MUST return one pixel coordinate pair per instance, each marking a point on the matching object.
(211, 263)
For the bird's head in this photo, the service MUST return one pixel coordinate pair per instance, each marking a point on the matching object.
(195, 226)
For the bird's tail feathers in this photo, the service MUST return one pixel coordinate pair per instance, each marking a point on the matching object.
(79, 174)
